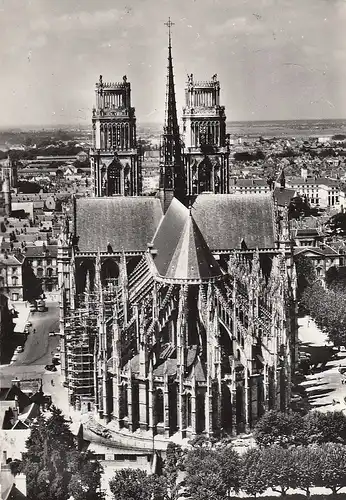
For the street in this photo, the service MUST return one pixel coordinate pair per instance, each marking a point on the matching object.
(325, 390)
(38, 350)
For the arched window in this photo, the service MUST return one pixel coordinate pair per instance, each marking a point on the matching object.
(124, 410)
(14, 280)
(159, 406)
(39, 272)
(109, 270)
(113, 179)
(49, 272)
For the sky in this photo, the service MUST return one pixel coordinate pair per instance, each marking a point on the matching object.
(275, 59)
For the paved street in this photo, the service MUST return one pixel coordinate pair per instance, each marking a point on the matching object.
(37, 353)
(325, 390)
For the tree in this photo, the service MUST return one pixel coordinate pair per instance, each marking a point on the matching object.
(307, 462)
(135, 484)
(333, 471)
(328, 309)
(278, 428)
(211, 473)
(278, 469)
(53, 465)
(173, 463)
(253, 482)
(306, 274)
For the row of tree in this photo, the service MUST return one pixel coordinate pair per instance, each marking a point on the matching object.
(327, 306)
(293, 429)
(293, 452)
(216, 473)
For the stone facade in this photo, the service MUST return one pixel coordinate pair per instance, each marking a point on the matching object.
(114, 157)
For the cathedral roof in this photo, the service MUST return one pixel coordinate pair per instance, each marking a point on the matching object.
(227, 219)
(181, 251)
(167, 236)
(125, 222)
(192, 260)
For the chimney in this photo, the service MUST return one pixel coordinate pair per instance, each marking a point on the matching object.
(4, 457)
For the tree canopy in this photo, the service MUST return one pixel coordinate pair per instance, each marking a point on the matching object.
(211, 473)
(135, 484)
(277, 428)
(55, 469)
(328, 309)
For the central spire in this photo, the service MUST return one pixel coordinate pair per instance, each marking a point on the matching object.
(171, 167)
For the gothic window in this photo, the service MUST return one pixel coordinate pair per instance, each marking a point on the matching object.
(123, 402)
(109, 270)
(113, 180)
(204, 177)
(159, 406)
(200, 412)
(188, 410)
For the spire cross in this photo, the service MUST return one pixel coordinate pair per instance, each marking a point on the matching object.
(169, 24)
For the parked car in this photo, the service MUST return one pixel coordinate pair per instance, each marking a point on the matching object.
(50, 368)
(52, 334)
(19, 349)
(32, 308)
(41, 305)
(28, 324)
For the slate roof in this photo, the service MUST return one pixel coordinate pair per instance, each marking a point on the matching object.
(125, 222)
(227, 219)
(317, 250)
(192, 260)
(283, 196)
(251, 183)
(41, 251)
(167, 236)
(10, 394)
(312, 181)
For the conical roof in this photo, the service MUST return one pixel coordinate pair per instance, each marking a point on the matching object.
(192, 260)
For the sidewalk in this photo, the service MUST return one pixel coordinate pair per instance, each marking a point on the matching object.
(23, 314)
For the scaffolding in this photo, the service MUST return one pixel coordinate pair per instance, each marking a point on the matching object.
(83, 328)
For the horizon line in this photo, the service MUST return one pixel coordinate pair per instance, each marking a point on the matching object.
(87, 125)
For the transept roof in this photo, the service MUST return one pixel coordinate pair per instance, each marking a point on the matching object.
(192, 259)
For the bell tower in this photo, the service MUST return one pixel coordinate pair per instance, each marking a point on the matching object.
(206, 148)
(115, 159)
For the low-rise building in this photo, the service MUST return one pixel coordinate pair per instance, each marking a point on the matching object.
(11, 274)
(43, 262)
(249, 186)
(320, 192)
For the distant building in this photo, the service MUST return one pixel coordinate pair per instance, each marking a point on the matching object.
(43, 261)
(249, 186)
(11, 275)
(323, 258)
(320, 192)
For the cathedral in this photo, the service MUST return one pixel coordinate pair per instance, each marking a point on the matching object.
(177, 311)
